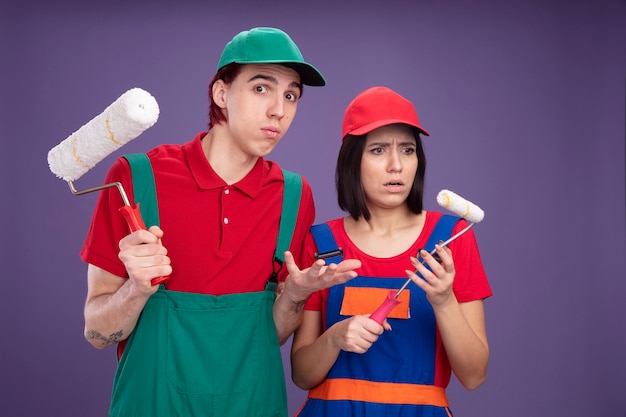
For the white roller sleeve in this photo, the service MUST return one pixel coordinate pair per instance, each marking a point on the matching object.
(460, 206)
(125, 119)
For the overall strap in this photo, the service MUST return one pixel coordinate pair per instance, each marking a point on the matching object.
(442, 231)
(144, 192)
(292, 193)
(291, 203)
(327, 248)
(144, 189)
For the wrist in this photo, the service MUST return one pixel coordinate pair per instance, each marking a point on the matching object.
(297, 301)
(289, 304)
(293, 294)
(447, 305)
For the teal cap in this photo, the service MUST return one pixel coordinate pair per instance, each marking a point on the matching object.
(265, 45)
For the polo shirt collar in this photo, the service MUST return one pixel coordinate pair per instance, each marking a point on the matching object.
(206, 177)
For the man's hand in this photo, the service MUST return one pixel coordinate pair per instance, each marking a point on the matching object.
(300, 284)
(145, 258)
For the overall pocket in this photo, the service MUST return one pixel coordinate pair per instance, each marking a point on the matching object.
(214, 351)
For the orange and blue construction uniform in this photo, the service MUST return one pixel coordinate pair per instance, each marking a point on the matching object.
(401, 374)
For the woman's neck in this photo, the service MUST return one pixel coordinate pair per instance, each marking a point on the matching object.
(387, 235)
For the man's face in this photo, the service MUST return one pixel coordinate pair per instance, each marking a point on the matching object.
(260, 105)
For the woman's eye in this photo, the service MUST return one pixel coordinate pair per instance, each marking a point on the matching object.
(408, 151)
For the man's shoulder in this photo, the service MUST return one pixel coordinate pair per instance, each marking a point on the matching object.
(275, 171)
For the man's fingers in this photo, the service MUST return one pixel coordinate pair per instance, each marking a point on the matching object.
(348, 265)
(290, 262)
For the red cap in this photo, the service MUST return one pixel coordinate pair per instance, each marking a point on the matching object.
(377, 107)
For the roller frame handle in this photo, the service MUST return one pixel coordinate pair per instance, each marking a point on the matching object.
(132, 215)
(385, 308)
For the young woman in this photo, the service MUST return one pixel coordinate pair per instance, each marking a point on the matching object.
(348, 362)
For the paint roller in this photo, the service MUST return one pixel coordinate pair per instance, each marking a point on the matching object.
(457, 205)
(122, 121)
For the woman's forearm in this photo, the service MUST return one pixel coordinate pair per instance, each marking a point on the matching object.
(462, 330)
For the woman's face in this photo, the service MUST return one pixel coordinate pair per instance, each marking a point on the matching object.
(388, 166)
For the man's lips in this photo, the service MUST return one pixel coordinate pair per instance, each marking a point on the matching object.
(271, 132)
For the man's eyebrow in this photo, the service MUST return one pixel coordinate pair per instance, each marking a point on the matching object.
(269, 78)
(296, 85)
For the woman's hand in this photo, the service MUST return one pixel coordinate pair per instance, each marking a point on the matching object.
(356, 334)
(436, 282)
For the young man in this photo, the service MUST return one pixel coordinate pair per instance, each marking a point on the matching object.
(206, 342)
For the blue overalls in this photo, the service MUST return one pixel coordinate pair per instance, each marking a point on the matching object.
(395, 377)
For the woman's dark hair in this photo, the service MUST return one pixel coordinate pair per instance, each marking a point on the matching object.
(350, 194)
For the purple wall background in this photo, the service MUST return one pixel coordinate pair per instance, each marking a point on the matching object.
(525, 102)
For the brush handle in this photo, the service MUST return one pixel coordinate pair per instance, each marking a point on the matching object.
(132, 215)
(381, 312)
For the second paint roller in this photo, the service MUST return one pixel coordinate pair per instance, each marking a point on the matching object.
(122, 121)
(457, 205)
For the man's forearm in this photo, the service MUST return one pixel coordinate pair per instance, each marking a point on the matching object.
(110, 318)
(287, 316)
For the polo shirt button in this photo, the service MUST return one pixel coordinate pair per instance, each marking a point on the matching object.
(227, 191)
(225, 220)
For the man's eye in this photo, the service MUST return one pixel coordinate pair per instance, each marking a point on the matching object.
(260, 88)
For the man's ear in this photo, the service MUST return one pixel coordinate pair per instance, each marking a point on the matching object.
(219, 93)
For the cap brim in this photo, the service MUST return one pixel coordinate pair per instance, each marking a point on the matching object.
(309, 75)
(380, 123)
